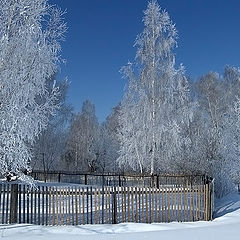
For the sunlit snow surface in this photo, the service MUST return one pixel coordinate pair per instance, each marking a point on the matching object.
(226, 225)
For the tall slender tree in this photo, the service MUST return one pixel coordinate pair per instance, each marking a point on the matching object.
(83, 140)
(156, 99)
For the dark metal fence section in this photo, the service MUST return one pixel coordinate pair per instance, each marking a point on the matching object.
(75, 205)
(113, 179)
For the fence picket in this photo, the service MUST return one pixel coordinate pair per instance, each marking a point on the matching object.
(99, 205)
(128, 204)
(139, 204)
(136, 203)
(39, 209)
(142, 192)
(47, 203)
(72, 214)
(95, 204)
(132, 201)
(146, 203)
(150, 206)
(7, 205)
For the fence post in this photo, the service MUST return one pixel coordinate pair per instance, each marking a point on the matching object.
(85, 179)
(59, 177)
(157, 182)
(92, 204)
(14, 203)
(119, 180)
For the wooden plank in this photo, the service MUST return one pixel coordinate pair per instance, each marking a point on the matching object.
(72, 203)
(193, 203)
(139, 204)
(28, 221)
(184, 202)
(31, 204)
(47, 203)
(83, 207)
(125, 205)
(202, 202)
(69, 206)
(60, 206)
(150, 206)
(39, 209)
(98, 206)
(187, 215)
(181, 195)
(196, 205)
(1, 196)
(24, 204)
(76, 205)
(178, 202)
(162, 200)
(142, 192)
(165, 207)
(106, 203)
(199, 202)
(190, 202)
(146, 202)
(4, 204)
(19, 204)
(152, 194)
(119, 205)
(49, 206)
(43, 205)
(57, 208)
(136, 203)
(169, 204)
(172, 203)
(7, 204)
(159, 205)
(13, 203)
(207, 207)
(79, 206)
(109, 204)
(35, 206)
(95, 204)
(128, 204)
(132, 202)
(53, 206)
(103, 204)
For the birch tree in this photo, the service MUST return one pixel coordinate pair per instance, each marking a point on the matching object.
(83, 140)
(30, 35)
(49, 148)
(154, 104)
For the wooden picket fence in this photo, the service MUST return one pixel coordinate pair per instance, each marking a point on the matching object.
(59, 205)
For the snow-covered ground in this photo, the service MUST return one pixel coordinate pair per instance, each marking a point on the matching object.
(226, 225)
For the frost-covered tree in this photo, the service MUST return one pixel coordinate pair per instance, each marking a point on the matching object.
(49, 148)
(109, 143)
(156, 102)
(83, 141)
(30, 35)
(214, 129)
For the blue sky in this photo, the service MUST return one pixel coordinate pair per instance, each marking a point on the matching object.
(101, 34)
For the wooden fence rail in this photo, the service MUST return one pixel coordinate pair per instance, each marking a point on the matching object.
(48, 205)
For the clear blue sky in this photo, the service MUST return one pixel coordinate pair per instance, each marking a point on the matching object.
(101, 34)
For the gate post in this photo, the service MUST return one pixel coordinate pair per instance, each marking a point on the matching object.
(14, 203)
